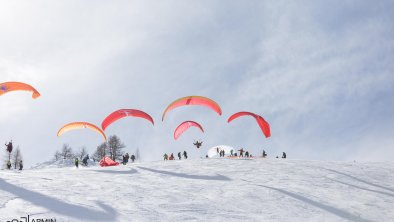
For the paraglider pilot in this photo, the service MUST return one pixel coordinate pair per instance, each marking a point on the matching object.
(198, 144)
(9, 146)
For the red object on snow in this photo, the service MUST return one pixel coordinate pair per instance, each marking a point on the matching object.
(106, 161)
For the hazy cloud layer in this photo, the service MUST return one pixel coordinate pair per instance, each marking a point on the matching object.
(320, 73)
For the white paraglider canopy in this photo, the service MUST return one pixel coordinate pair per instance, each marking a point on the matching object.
(212, 152)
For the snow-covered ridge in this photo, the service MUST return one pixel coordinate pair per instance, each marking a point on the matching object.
(61, 163)
(202, 190)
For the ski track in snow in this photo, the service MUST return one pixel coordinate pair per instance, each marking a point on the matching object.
(202, 190)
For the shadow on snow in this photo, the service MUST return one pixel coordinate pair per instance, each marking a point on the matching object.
(362, 188)
(132, 171)
(333, 210)
(360, 180)
(188, 176)
(59, 207)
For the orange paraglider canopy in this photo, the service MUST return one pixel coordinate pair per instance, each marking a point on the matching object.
(124, 113)
(80, 125)
(264, 126)
(184, 126)
(6, 87)
(193, 100)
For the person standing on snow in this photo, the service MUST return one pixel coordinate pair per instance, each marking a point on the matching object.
(165, 156)
(85, 160)
(127, 157)
(123, 159)
(179, 155)
(284, 155)
(185, 154)
(20, 165)
(241, 152)
(132, 158)
(76, 162)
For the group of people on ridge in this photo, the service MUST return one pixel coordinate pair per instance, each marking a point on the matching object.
(125, 158)
(20, 164)
(265, 155)
(9, 148)
(84, 161)
(171, 157)
(243, 153)
(222, 153)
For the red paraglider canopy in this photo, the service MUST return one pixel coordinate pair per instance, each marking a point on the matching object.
(106, 161)
(184, 126)
(264, 126)
(124, 113)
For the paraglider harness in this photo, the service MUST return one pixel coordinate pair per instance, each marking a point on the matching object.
(9, 147)
(9, 150)
(197, 144)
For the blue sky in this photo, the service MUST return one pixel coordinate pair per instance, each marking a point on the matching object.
(321, 73)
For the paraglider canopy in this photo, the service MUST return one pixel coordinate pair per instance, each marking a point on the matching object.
(185, 126)
(81, 125)
(118, 114)
(193, 100)
(264, 126)
(6, 87)
(106, 161)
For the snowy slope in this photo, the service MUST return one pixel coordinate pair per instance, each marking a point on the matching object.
(203, 190)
